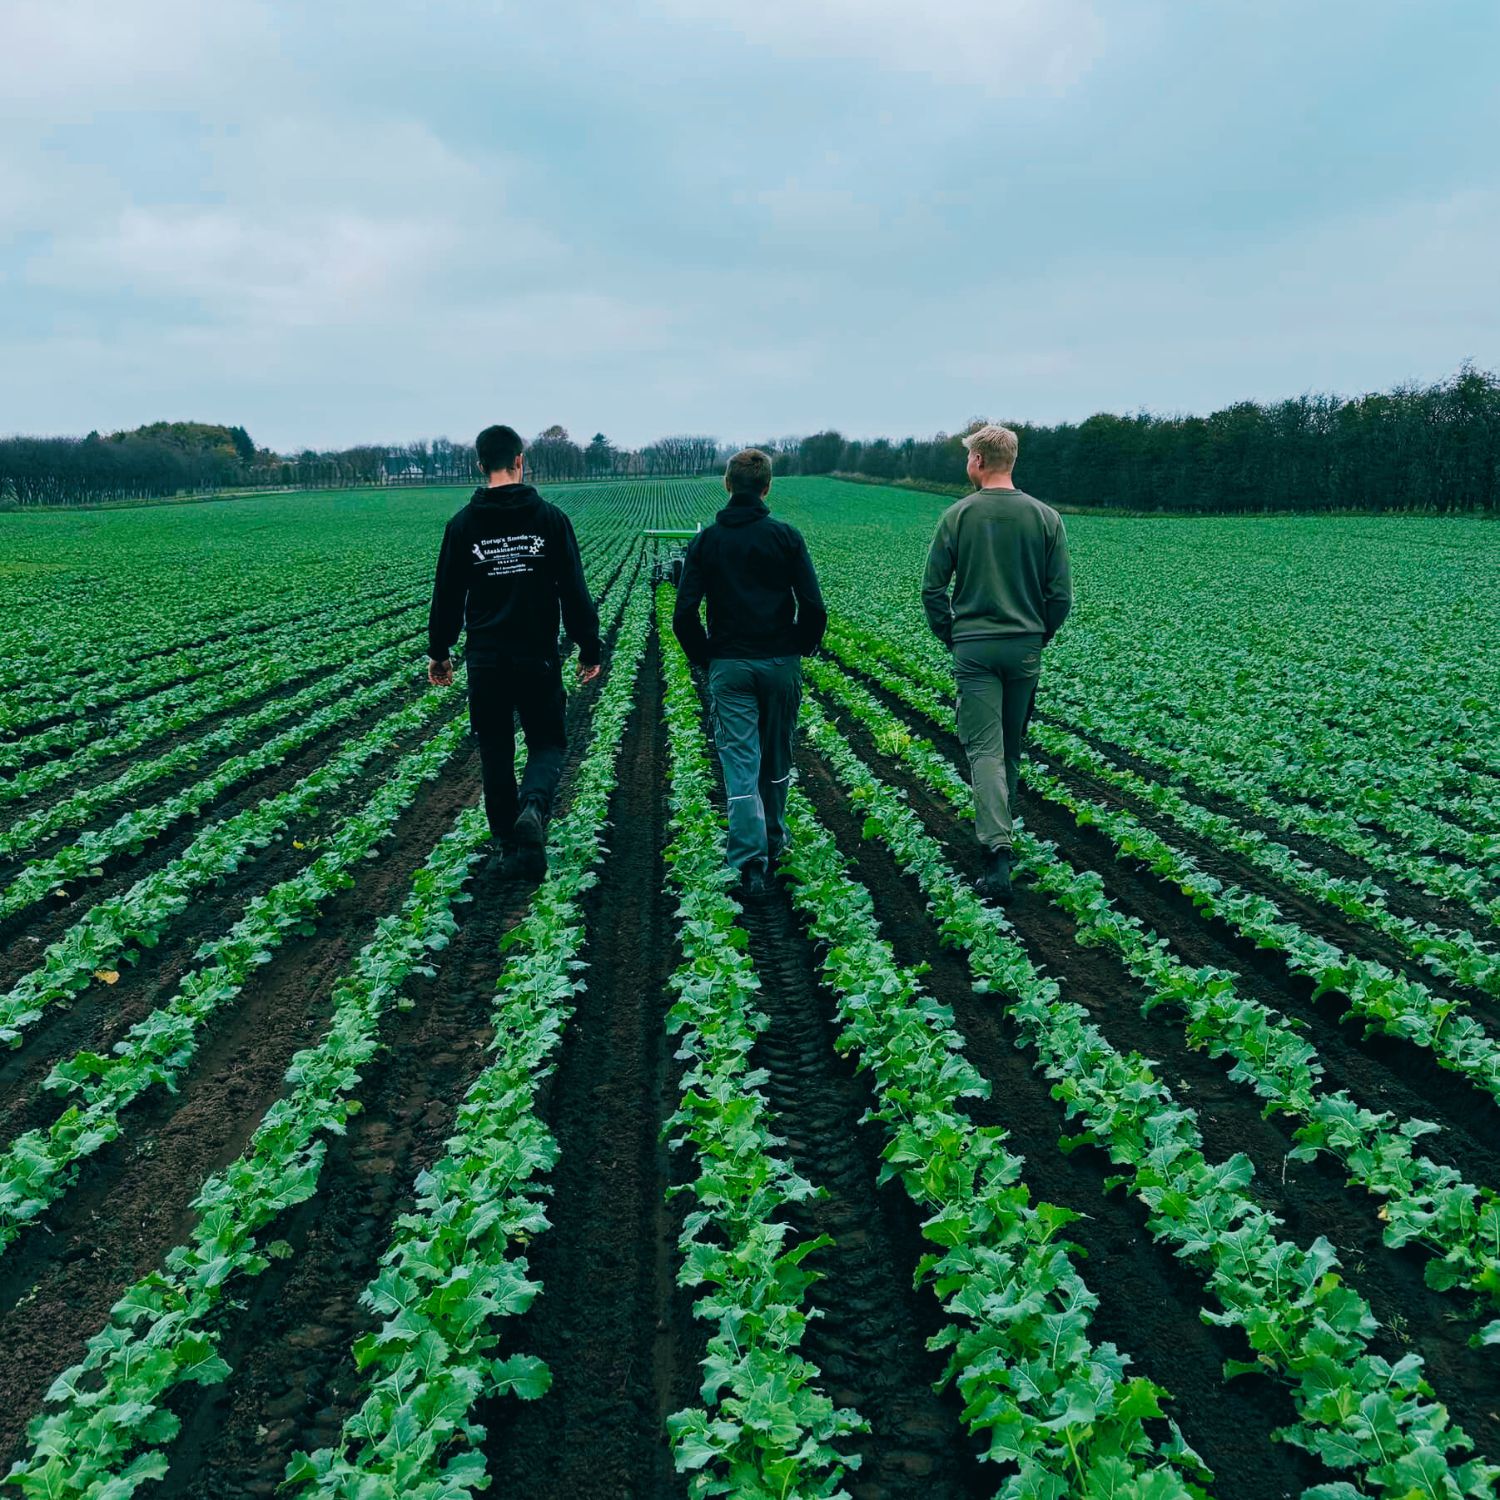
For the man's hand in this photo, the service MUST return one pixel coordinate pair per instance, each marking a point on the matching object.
(587, 674)
(440, 673)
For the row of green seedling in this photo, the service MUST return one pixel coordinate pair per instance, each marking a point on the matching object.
(81, 807)
(1444, 879)
(118, 928)
(1038, 1391)
(766, 1430)
(1447, 880)
(1356, 1411)
(455, 1270)
(80, 746)
(107, 1421)
(1422, 1201)
(131, 831)
(112, 1426)
(1387, 1002)
(39, 1166)
(175, 677)
(184, 616)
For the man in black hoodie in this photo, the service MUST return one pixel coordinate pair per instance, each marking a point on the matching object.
(765, 613)
(508, 565)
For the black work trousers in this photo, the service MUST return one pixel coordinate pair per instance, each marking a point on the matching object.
(499, 693)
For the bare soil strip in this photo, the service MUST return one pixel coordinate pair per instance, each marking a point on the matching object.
(1149, 1301)
(131, 1204)
(610, 1323)
(293, 1380)
(870, 1341)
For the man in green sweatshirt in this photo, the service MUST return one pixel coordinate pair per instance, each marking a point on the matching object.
(1006, 557)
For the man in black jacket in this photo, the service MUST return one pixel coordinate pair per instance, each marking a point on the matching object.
(765, 613)
(508, 565)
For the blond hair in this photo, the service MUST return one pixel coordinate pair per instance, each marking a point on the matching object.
(996, 447)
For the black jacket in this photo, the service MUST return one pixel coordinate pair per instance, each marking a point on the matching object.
(509, 560)
(762, 592)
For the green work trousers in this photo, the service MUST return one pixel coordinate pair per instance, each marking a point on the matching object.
(997, 677)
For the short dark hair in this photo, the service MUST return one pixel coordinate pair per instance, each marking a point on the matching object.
(749, 472)
(498, 448)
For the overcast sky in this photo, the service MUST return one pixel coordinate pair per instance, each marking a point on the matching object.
(342, 222)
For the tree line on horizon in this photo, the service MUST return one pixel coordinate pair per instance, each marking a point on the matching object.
(1433, 447)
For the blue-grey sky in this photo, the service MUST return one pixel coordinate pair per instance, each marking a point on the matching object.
(343, 222)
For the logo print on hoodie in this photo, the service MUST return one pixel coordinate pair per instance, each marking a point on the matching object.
(509, 556)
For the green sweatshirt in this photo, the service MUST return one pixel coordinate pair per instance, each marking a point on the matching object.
(1006, 555)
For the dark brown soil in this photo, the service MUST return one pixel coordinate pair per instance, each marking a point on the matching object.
(1384, 1072)
(870, 1342)
(1149, 1301)
(610, 1323)
(293, 1382)
(131, 1203)
(26, 934)
(103, 1014)
(1311, 1199)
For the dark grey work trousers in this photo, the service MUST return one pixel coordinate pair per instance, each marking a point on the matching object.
(997, 677)
(754, 705)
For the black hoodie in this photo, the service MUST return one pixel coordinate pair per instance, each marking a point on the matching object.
(762, 592)
(509, 560)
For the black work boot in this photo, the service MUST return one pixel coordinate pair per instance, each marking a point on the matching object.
(530, 836)
(754, 885)
(995, 882)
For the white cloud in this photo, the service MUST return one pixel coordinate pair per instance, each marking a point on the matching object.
(996, 47)
(82, 56)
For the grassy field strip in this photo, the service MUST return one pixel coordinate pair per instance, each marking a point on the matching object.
(1422, 1202)
(1455, 955)
(1356, 1411)
(72, 812)
(1036, 1388)
(183, 675)
(1387, 1002)
(1438, 878)
(453, 1273)
(114, 931)
(765, 1428)
(39, 1166)
(81, 859)
(152, 720)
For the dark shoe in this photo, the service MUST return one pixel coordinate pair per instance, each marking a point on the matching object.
(995, 882)
(754, 885)
(525, 863)
(530, 831)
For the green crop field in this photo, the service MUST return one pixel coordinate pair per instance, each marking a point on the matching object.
(331, 1159)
